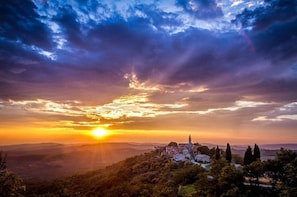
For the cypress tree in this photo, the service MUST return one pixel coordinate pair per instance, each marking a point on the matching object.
(228, 153)
(248, 156)
(2, 161)
(218, 154)
(257, 153)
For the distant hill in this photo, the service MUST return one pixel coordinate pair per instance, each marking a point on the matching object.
(49, 160)
(262, 146)
(278, 146)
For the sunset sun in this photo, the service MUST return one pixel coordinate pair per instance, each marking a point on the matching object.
(100, 133)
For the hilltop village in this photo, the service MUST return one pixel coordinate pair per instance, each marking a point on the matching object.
(185, 152)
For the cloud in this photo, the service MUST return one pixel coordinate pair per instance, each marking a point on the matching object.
(201, 8)
(129, 63)
(66, 20)
(237, 106)
(150, 86)
(21, 22)
(193, 56)
(273, 11)
(283, 113)
(134, 106)
(274, 18)
(46, 106)
(122, 110)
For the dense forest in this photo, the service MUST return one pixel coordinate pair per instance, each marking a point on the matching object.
(153, 174)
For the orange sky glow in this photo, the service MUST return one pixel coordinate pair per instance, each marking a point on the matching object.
(136, 117)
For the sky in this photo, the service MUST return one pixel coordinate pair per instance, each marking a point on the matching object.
(148, 71)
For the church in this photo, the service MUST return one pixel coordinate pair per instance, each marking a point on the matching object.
(186, 151)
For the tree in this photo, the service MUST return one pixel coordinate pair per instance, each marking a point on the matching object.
(257, 153)
(254, 170)
(216, 167)
(172, 144)
(218, 154)
(283, 172)
(230, 181)
(204, 150)
(237, 158)
(2, 161)
(10, 183)
(228, 153)
(248, 156)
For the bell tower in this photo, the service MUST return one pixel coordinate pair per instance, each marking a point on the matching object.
(190, 139)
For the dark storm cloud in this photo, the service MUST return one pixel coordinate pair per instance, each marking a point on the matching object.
(273, 34)
(203, 9)
(20, 22)
(274, 11)
(96, 52)
(157, 17)
(22, 37)
(274, 28)
(209, 57)
(67, 19)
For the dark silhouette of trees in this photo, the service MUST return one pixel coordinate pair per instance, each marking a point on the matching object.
(10, 183)
(228, 153)
(2, 161)
(172, 144)
(203, 150)
(218, 154)
(248, 156)
(257, 153)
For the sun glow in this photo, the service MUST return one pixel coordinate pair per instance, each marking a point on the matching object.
(100, 133)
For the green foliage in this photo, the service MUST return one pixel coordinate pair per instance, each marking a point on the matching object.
(253, 171)
(172, 144)
(228, 153)
(237, 159)
(2, 161)
(187, 191)
(203, 185)
(283, 172)
(203, 150)
(187, 175)
(144, 175)
(10, 183)
(230, 181)
(248, 156)
(217, 166)
(223, 179)
(215, 171)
